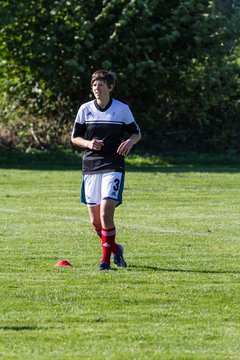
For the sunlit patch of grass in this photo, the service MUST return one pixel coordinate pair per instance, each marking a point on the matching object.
(177, 299)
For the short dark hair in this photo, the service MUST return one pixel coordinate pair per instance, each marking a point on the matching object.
(108, 76)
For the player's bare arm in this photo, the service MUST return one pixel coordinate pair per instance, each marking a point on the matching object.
(126, 146)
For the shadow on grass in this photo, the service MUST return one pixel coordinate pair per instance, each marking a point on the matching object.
(155, 268)
(19, 328)
(72, 160)
(40, 160)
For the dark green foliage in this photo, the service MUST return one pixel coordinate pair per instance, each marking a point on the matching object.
(175, 63)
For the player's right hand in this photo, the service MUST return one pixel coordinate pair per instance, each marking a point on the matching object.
(95, 144)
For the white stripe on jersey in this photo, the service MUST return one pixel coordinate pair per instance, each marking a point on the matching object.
(103, 122)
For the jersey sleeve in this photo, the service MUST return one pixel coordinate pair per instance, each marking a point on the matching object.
(131, 126)
(79, 127)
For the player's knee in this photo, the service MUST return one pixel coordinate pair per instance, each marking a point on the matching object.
(96, 225)
(107, 220)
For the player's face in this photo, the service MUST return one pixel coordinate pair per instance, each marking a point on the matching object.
(101, 90)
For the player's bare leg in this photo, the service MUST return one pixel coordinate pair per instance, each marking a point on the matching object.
(107, 209)
(94, 214)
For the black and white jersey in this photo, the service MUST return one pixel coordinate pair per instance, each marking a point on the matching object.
(110, 125)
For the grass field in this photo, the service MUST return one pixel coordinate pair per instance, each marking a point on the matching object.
(179, 297)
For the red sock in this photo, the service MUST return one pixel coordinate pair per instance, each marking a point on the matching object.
(108, 244)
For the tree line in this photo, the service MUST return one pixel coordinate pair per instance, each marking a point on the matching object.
(177, 64)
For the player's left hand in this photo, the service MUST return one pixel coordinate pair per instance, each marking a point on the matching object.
(125, 147)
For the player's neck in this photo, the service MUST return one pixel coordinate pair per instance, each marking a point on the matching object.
(103, 102)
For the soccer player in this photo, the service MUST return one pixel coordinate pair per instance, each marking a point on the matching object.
(107, 130)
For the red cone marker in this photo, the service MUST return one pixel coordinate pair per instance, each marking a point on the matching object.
(62, 263)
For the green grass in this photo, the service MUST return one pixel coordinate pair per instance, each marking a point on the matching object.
(179, 296)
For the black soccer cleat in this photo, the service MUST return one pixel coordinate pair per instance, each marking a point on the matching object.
(118, 258)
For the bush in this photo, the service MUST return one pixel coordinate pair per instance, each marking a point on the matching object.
(172, 59)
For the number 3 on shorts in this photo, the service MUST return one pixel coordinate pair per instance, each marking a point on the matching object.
(116, 186)
(112, 186)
